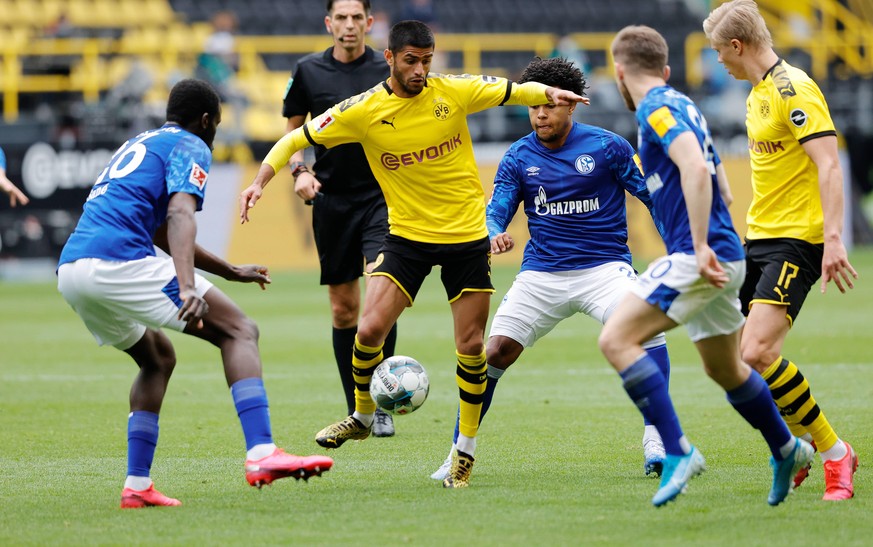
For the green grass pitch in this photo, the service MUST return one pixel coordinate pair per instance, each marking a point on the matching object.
(559, 458)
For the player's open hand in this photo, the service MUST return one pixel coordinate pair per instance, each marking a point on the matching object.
(250, 196)
(709, 267)
(501, 243)
(16, 196)
(193, 308)
(252, 273)
(247, 199)
(835, 266)
(563, 97)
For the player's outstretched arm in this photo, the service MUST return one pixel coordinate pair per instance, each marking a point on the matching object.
(208, 262)
(563, 97)
(250, 196)
(244, 273)
(278, 156)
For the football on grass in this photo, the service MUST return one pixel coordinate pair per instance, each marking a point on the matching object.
(399, 385)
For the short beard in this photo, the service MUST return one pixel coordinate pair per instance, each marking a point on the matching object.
(405, 87)
(625, 94)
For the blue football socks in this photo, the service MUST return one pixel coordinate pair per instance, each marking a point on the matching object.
(250, 400)
(661, 358)
(647, 388)
(754, 403)
(142, 438)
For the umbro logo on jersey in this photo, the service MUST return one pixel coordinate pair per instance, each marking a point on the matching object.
(533, 170)
(198, 176)
(391, 123)
(798, 117)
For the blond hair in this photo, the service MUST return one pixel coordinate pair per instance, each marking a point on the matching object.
(640, 49)
(740, 20)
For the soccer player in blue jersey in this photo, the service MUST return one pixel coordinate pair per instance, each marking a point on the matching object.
(110, 276)
(572, 179)
(697, 284)
(16, 196)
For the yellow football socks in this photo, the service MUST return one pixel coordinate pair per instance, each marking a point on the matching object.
(471, 379)
(364, 360)
(791, 392)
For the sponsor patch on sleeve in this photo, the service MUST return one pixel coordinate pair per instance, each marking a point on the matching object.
(198, 176)
(798, 117)
(322, 121)
(661, 121)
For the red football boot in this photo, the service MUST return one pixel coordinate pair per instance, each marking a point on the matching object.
(135, 499)
(839, 474)
(279, 465)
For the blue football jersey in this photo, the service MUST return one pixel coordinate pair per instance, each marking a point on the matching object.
(663, 115)
(2, 159)
(574, 198)
(128, 203)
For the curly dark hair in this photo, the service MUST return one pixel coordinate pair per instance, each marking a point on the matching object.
(555, 72)
(190, 99)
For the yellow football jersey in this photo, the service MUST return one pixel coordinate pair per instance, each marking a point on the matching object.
(783, 111)
(420, 150)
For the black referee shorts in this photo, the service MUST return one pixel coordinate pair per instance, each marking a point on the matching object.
(349, 231)
(465, 266)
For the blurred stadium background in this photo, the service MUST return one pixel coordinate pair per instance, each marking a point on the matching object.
(78, 77)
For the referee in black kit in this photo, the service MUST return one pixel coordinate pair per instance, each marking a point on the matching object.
(349, 216)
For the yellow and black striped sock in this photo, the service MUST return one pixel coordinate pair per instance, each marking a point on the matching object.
(471, 379)
(791, 392)
(364, 360)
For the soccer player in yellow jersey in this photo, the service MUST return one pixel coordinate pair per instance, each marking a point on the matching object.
(413, 129)
(795, 221)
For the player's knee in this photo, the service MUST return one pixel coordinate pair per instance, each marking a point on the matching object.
(166, 363)
(608, 343)
(498, 360)
(757, 354)
(501, 352)
(727, 375)
(371, 335)
(245, 329)
(164, 355)
(344, 315)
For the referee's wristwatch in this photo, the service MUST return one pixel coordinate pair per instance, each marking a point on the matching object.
(298, 167)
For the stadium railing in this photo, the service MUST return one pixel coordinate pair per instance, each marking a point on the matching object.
(837, 40)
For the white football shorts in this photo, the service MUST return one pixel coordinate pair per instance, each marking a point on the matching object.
(537, 301)
(118, 300)
(674, 285)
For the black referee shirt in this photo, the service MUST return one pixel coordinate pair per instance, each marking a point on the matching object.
(319, 81)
